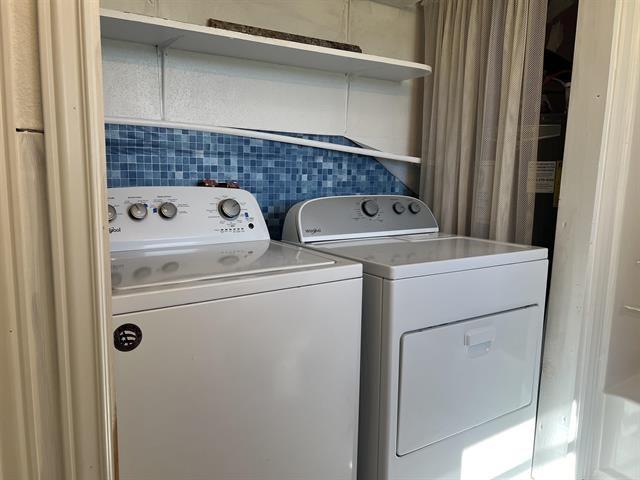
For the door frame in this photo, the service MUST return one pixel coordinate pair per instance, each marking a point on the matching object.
(617, 155)
(15, 441)
(57, 422)
(70, 63)
(605, 87)
(71, 76)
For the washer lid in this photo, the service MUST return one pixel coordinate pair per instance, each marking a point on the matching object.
(139, 269)
(429, 254)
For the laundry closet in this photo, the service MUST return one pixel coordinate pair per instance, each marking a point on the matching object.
(185, 102)
(269, 366)
(195, 102)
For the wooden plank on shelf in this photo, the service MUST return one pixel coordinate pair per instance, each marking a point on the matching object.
(268, 33)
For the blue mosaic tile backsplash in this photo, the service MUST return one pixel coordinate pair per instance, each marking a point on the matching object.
(278, 174)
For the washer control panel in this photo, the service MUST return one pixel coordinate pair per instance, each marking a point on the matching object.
(153, 217)
(357, 216)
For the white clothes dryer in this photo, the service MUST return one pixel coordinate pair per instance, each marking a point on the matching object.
(452, 333)
(234, 356)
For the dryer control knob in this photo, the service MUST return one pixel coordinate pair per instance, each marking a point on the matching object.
(229, 208)
(414, 207)
(168, 210)
(370, 208)
(138, 211)
(398, 208)
(111, 213)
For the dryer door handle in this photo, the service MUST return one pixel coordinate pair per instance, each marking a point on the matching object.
(479, 336)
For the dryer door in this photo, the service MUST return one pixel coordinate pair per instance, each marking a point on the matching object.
(457, 376)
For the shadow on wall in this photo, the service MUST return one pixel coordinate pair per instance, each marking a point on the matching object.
(278, 174)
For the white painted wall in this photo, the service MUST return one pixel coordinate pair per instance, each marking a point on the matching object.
(230, 92)
(132, 79)
(325, 19)
(179, 86)
(222, 91)
(25, 66)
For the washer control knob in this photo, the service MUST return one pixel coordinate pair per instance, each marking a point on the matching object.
(229, 208)
(168, 210)
(111, 213)
(414, 207)
(138, 211)
(370, 208)
(170, 267)
(398, 208)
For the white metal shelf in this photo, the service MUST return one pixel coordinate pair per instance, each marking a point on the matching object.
(275, 137)
(132, 27)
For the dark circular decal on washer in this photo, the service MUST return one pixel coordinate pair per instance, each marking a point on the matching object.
(127, 337)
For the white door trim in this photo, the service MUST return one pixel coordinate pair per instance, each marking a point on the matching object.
(71, 75)
(597, 155)
(616, 156)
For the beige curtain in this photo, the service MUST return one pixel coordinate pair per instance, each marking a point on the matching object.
(481, 115)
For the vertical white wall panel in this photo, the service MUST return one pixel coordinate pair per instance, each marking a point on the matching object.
(385, 115)
(225, 91)
(386, 30)
(131, 80)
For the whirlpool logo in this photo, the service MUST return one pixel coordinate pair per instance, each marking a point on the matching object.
(115, 229)
(312, 231)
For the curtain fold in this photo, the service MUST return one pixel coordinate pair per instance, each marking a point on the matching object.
(481, 115)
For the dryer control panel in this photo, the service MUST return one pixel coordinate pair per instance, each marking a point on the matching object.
(153, 217)
(357, 216)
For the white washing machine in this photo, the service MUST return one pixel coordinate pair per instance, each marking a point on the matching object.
(235, 357)
(452, 331)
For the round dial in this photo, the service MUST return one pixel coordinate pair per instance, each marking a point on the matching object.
(168, 210)
(142, 272)
(111, 213)
(229, 208)
(398, 208)
(116, 278)
(170, 267)
(370, 208)
(138, 211)
(414, 207)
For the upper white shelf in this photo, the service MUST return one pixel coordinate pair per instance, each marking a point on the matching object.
(184, 36)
